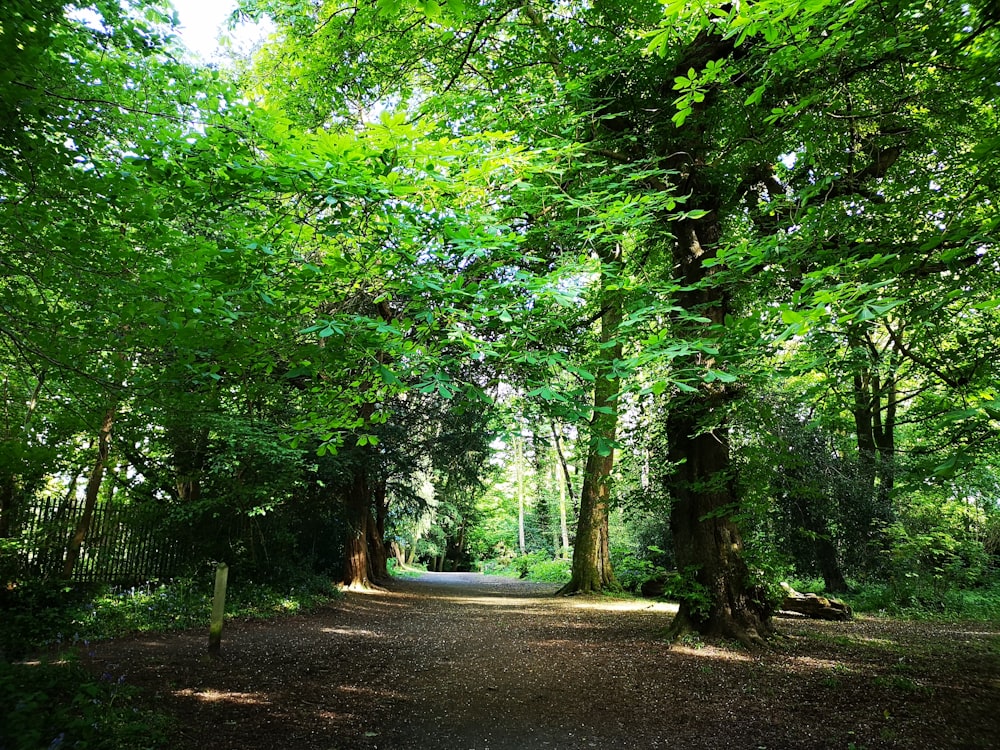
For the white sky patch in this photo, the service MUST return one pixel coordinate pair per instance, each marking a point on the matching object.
(203, 24)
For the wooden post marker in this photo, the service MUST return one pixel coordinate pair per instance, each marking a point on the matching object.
(218, 610)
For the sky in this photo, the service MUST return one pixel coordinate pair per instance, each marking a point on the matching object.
(202, 22)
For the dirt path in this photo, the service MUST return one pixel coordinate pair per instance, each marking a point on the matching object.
(463, 661)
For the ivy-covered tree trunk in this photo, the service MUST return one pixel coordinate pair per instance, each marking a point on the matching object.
(591, 571)
(720, 600)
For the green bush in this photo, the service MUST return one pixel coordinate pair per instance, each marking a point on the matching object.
(928, 601)
(535, 566)
(498, 567)
(40, 613)
(549, 570)
(633, 569)
(916, 599)
(266, 600)
(59, 705)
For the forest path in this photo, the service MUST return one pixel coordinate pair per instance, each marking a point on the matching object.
(460, 660)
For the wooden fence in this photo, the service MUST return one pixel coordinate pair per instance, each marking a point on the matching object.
(126, 544)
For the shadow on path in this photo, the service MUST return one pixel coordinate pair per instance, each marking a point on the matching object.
(461, 660)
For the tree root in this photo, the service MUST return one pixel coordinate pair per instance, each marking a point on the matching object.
(751, 635)
(361, 586)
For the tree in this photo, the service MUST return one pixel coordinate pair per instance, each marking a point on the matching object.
(591, 570)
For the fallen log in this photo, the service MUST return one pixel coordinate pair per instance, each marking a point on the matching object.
(814, 606)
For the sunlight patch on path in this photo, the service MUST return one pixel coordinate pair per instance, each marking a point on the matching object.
(624, 605)
(213, 696)
(351, 632)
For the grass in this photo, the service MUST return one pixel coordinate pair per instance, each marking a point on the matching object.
(409, 571)
(903, 684)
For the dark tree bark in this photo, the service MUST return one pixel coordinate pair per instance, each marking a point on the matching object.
(817, 530)
(357, 511)
(874, 411)
(707, 543)
(377, 552)
(829, 564)
(365, 534)
(591, 569)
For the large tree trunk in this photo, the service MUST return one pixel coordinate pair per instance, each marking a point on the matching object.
(356, 515)
(707, 544)
(591, 570)
(90, 499)
(884, 424)
(874, 412)
(829, 565)
(864, 428)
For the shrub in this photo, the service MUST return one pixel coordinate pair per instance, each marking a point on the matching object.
(633, 569)
(59, 705)
(534, 566)
(549, 570)
(927, 601)
(38, 613)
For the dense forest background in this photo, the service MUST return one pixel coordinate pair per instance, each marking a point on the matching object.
(610, 293)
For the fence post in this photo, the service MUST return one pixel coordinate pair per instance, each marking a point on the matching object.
(218, 610)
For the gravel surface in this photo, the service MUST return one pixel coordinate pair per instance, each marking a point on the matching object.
(459, 660)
